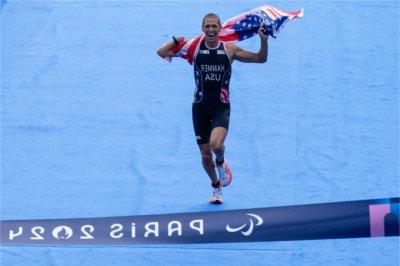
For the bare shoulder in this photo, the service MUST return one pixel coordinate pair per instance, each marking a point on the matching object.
(231, 49)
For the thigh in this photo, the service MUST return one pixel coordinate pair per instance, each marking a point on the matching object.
(201, 124)
(221, 117)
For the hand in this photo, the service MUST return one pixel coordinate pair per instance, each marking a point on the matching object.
(180, 38)
(176, 40)
(261, 33)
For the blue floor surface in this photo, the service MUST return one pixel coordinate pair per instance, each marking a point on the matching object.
(94, 124)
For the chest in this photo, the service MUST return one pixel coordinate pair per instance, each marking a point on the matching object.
(212, 60)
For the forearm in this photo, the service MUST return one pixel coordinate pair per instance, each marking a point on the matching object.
(263, 52)
(166, 49)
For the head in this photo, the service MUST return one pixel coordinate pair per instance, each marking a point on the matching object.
(211, 26)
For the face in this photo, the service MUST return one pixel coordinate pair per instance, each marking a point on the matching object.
(211, 28)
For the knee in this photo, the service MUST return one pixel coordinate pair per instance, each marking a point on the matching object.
(217, 146)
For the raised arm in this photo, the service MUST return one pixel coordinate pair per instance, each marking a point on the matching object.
(250, 57)
(166, 49)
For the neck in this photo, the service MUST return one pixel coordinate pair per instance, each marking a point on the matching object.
(212, 44)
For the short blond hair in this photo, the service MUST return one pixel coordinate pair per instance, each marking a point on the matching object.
(211, 15)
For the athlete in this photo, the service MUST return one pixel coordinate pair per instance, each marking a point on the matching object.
(211, 107)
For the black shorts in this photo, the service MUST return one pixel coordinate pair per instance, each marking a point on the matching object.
(207, 117)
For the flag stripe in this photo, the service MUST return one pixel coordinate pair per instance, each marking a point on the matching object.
(242, 27)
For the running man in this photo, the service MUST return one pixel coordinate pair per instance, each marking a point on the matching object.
(211, 107)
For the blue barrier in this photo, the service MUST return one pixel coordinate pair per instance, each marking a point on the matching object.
(352, 219)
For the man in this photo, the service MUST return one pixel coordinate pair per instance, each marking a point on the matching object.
(211, 107)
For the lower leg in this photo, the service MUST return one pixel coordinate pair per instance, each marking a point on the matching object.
(209, 167)
(208, 163)
(217, 139)
(219, 155)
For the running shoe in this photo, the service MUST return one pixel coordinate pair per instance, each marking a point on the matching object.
(216, 196)
(225, 174)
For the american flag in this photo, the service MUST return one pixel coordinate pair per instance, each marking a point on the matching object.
(242, 27)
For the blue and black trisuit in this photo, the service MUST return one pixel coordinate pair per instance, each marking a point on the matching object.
(211, 108)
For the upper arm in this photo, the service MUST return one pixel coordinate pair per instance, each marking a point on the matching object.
(245, 56)
(237, 53)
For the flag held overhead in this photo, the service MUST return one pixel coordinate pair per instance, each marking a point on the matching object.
(242, 27)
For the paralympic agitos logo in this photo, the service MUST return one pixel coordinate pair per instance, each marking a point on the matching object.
(242, 228)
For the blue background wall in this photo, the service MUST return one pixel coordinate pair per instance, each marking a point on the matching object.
(94, 123)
